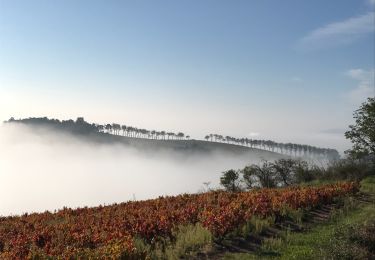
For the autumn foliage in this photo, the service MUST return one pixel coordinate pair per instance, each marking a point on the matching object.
(108, 231)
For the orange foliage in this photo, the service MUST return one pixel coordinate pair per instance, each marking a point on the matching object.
(107, 231)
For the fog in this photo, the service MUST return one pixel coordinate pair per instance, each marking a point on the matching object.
(43, 170)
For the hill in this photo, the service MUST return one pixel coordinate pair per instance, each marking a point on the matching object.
(90, 133)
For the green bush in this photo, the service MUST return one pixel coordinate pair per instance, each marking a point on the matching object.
(348, 170)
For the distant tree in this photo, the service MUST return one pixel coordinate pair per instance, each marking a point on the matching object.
(80, 120)
(180, 135)
(123, 127)
(230, 180)
(207, 137)
(116, 128)
(362, 133)
(100, 128)
(108, 127)
(135, 132)
(148, 133)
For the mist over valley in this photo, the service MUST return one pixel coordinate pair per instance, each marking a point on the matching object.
(53, 169)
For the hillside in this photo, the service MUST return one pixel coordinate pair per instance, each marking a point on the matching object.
(184, 146)
(86, 132)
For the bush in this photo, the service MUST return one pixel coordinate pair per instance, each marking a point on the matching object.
(348, 170)
(353, 242)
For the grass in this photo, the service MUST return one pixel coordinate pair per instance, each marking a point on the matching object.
(368, 185)
(316, 243)
(335, 239)
(255, 225)
(190, 240)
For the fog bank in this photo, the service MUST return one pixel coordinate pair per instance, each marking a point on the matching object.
(43, 170)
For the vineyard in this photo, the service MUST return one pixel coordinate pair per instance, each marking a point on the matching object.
(108, 231)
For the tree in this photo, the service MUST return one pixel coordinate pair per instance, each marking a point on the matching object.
(116, 128)
(284, 170)
(108, 127)
(259, 175)
(180, 135)
(302, 173)
(230, 180)
(100, 128)
(362, 133)
(248, 177)
(123, 127)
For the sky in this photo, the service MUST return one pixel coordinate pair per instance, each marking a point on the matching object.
(289, 71)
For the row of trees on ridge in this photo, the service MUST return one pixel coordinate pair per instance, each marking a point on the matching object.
(83, 127)
(291, 149)
(131, 131)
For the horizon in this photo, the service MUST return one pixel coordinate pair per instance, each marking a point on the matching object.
(200, 67)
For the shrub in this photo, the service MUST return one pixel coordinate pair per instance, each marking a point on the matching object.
(353, 242)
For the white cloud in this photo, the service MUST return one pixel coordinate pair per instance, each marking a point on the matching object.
(339, 33)
(371, 2)
(253, 134)
(366, 84)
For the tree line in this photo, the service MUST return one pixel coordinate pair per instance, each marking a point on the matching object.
(81, 126)
(282, 172)
(291, 149)
(131, 131)
(287, 172)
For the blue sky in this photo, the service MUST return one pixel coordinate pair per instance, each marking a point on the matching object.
(281, 70)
